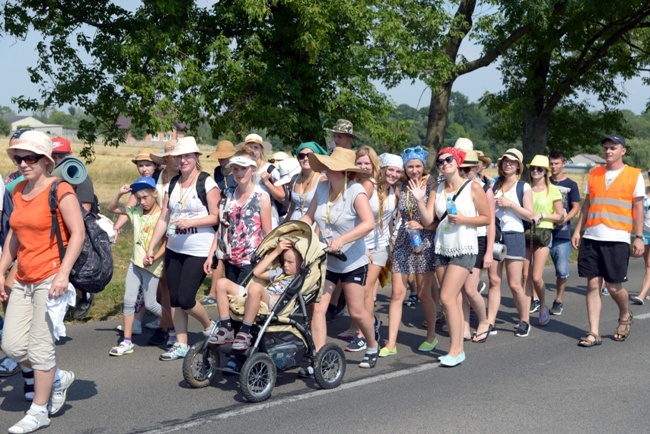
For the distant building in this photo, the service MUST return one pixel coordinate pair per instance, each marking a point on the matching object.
(124, 123)
(583, 163)
(25, 121)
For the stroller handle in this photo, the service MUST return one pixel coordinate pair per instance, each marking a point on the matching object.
(338, 255)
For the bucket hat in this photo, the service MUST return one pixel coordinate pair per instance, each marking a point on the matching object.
(185, 145)
(342, 126)
(34, 141)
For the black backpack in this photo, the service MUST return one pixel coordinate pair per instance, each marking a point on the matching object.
(7, 209)
(93, 270)
(282, 207)
(200, 189)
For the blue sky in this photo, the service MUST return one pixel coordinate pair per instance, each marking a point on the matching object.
(18, 55)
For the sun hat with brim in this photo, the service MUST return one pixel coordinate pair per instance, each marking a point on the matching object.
(144, 155)
(142, 184)
(241, 160)
(540, 161)
(225, 149)
(280, 156)
(256, 138)
(471, 159)
(464, 144)
(34, 141)
(484, 158)
(288, 169)
(341, 160)
(514, 154)
(343, 126)
(185, 145)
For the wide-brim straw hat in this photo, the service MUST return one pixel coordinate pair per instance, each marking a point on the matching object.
(343, 126)
(540, 161)
(160, 156)
(144, 155)
(256, 138)
(471, 159)
(225, 149)
(34, 141)
(341, 160)
(185, 145)
(484, 158)
(514, 154)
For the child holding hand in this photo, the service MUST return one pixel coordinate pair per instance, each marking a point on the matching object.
(280, 278)
(142, 272)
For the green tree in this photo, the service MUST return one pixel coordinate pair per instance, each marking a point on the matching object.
(5, 126)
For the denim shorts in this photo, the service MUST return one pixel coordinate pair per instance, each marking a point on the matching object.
(560, 251)
(463, 261)
(646, 239)
(516, 244)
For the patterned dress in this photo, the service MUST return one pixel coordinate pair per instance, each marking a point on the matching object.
(245, 228)
(404, 260)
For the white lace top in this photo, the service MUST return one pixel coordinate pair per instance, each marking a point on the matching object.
(455, 240)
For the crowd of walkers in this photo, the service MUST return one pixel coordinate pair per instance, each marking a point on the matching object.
(434, 236)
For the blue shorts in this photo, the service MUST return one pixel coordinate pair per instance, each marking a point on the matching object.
(646, 238)
(560, 251)
(516, 244)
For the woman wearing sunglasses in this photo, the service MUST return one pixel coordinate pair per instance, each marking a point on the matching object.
(409, 259)
(511, 211)
(548, 210)
(303, 185)
(456, 243)
(41, 275)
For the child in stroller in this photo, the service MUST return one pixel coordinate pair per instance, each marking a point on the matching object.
(279, 279)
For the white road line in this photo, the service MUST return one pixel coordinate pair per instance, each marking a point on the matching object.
(251, 408)
(643, 316)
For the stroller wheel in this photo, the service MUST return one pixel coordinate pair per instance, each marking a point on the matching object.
(257, 378)
(329, 366)
(200, 365)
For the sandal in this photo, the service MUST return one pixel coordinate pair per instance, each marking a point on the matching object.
(8, 367)
(588, 343)
(242, 341)
(483, 337)
(620, 336)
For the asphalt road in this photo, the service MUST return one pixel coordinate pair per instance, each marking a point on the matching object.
(508, 384)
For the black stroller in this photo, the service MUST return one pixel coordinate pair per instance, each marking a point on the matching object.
(281, 336)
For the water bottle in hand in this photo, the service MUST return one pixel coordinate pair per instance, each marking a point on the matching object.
(175, 215)
(451, 206)
(416, 240)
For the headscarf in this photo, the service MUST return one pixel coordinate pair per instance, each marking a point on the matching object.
(391, 160)
(458, 154)
(416, 153)
(315, 147)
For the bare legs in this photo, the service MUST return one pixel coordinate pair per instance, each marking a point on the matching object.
(452, 279)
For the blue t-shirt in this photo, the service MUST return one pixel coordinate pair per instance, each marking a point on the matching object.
(570, 194)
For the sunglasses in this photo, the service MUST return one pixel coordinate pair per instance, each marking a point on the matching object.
(28, 159)
(303, 155)
(413, 150)
(448, 160)
(536, 169)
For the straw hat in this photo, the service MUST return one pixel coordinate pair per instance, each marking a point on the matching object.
(471, 159)
(514, 154)
(342, 126)
(540, 161)
(256, 138)
(144, 155)
(484, 158)
(225, 149)
(185, 145)
(341, 160)
(464, 144)
(34, 141)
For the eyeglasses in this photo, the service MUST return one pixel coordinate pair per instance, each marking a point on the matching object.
(303, 155)
(510, 162)
(536, 169)
(448, 160)
(28, 159)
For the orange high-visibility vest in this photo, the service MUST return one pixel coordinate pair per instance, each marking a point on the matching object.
(613, 206)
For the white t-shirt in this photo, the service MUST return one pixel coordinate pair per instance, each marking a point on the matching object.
(605, 233)
(510, 222)
(192, 241)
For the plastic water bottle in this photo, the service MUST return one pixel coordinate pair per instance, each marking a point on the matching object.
(451, 206)
(171, 227)
(416, 240)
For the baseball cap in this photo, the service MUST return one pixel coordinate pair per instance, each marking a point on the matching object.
(616, 139)
(60, 145)
(142, 184)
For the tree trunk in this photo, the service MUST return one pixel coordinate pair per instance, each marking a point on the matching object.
(535, 137)
(437, 122)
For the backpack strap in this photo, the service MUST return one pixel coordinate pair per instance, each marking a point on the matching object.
(56, 229)
(172, 185)
(520, 191)
(200, 189)
(455, 196)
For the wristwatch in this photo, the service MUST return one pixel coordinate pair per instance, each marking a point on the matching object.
(638, 237)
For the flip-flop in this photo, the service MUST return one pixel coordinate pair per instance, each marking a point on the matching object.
(5, 370)
(485, 335)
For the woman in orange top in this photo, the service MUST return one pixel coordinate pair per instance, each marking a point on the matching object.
(41, 274)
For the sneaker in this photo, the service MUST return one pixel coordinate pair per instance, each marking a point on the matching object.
(377, 325)
(534, 305)
(440, 317)
(636, 300)
(369, 361)
(306, 372)
(208, 301)
(605, 291)
(427, 347)
(482, 286)
(544, 316)
(153, 324)
(557, 308)
(232, 367)
(84, 304)
(177, 352)
(523, 329)
(357, 344)
(32, 421)
(60, 390)
(170, 343)
(385, 352)
(411, 301)
(137, 328)
(222, 336)
(122, 349)
(158, 337)
(211, 330)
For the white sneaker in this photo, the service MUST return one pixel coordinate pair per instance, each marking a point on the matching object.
(122, 349)
(137, 330)
(153, 324)
(59, 391)
(212, 330)
(177, 352)
(32, 421)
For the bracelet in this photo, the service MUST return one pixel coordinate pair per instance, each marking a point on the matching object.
(543, 216)
(638, 237)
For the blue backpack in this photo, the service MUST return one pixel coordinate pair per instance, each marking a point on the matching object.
(7, 209)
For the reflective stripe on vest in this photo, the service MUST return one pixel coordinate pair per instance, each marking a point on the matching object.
(614, 212)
